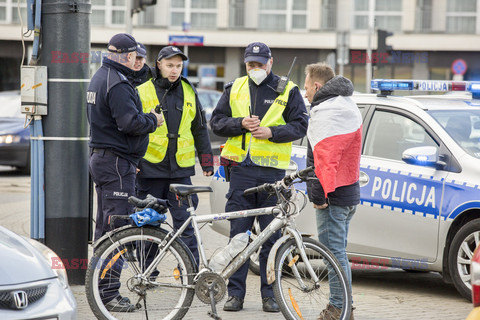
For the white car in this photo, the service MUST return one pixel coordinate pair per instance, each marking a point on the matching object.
(419, 177)
(33, 281)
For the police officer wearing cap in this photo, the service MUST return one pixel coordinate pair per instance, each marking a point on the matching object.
(170, 156)
(142, 71)
(118, 140)
(260, 121)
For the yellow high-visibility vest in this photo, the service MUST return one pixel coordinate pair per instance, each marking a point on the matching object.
(263, 152)
(158, 144)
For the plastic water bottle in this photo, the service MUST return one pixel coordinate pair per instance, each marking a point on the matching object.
(236, 245)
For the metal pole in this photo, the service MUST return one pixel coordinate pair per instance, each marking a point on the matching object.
(128, 17)
(66, 29)
(186, 28)
(371, 30)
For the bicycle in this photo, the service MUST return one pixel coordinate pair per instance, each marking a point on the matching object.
(165, 274)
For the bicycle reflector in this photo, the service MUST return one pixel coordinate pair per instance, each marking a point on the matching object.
(387, 86)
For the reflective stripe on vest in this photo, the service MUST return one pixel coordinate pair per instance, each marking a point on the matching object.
(158, 144)
(263, 152)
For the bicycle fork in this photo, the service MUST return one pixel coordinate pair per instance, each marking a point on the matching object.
(290, 232)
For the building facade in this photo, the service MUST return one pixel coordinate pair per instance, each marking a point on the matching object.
(426, 39)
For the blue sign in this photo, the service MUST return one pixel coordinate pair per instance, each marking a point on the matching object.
(459, 66)
(185, 40)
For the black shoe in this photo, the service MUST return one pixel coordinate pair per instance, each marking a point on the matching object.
(270, 305)
(233, 304)
(120, 304)
(130, 253)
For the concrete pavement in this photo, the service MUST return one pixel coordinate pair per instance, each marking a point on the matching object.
(378, 294)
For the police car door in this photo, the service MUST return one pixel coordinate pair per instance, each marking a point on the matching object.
(398, 215)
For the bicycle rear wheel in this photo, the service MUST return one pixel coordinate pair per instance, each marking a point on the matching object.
(115, 275)
(298, 296)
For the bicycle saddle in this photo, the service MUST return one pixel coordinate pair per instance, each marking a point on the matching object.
(185, 189)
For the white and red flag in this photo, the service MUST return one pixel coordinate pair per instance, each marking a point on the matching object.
(335, 135)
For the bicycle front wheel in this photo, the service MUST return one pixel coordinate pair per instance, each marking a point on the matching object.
(297, 294)
(117, 286)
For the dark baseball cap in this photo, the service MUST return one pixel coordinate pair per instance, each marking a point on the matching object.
(169, 52)
(141, 50)
(123, 42)
(258, 52)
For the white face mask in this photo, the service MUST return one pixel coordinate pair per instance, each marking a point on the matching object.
(257, 75)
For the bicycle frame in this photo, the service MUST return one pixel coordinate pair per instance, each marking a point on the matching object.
(240, 259)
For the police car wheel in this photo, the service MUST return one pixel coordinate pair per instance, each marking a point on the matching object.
(461, 250)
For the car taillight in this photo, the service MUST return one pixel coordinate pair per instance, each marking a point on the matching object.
(475, 280)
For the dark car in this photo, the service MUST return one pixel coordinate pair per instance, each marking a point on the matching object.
(14, 137)
(208, 99)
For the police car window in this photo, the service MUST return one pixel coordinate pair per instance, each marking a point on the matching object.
(390, 134)
(463, 126)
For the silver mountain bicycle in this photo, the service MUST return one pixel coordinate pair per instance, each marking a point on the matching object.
(150, 273)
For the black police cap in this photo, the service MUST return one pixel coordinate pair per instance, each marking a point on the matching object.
(123, 42)
(169, 52)
(258, 52)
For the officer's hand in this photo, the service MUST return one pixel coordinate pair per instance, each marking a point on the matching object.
(207, 173)
(261, 132)
(250, 122)
(320, 206)
(159, 116)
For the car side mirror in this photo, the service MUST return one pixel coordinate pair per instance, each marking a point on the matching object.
(423, 156)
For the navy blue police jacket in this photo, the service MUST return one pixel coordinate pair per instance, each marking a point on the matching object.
(136, 78)
(171, 97)
(115, 113)
(261, 98)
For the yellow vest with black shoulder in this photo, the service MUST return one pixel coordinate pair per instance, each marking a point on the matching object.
(158, 144)
(263, 152)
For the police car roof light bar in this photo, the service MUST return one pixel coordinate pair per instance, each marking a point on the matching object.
(474, 88)
(386, 86)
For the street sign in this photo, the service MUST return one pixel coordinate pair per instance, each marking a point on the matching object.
(183, 40)
(459, 66)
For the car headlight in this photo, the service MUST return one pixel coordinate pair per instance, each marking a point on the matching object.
(9, 138)
(52, 258)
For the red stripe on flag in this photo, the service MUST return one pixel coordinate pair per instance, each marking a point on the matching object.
(337, 160)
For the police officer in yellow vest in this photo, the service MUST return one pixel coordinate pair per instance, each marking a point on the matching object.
(170, 156)
(260, 121)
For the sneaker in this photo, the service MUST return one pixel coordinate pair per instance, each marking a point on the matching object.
(233, 304)
(332, 313)
(120, 304)
(270, 305)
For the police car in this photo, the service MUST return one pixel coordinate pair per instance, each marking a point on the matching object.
(419, 177)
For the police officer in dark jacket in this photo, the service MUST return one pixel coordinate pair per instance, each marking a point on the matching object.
(170, 157)
(118, 140)
(142, 72)
(260, 121)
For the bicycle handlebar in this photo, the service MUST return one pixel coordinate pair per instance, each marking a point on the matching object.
(286, 181)
(267, 187)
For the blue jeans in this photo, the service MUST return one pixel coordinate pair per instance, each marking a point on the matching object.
(332, 228)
